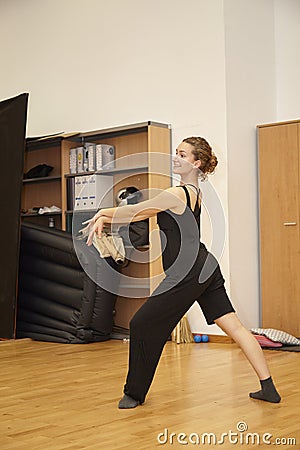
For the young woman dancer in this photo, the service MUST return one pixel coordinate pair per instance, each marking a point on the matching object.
(185, 259)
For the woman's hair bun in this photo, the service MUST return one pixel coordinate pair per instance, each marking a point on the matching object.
(211, 164)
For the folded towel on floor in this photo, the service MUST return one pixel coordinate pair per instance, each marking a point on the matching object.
(266, 342)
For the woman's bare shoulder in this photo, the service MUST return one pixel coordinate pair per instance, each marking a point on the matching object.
(178, 192)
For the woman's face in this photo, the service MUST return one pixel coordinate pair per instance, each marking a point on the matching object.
(184, 161)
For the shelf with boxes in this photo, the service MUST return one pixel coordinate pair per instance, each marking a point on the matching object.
(85, 191)
(120, 157)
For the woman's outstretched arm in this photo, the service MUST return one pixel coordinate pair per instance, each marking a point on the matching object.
(167, 199)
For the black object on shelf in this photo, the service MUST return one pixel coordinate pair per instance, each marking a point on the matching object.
(39, 171)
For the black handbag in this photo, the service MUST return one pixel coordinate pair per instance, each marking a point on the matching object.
(135, 234)
(39, 171)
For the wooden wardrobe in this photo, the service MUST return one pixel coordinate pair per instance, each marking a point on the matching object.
(279, 195)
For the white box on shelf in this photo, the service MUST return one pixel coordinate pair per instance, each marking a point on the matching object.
(91, 157)
(100, 191)
(85, 192)
(92, 192)
(108, 156)
(73, 160)
(85, 162)
(98, 156)
(78, 193)
(80, 159)
(105, 157)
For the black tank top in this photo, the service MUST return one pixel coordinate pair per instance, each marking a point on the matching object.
(180, 237)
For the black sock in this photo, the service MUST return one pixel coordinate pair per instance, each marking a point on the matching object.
(268, 392)
(128, 402)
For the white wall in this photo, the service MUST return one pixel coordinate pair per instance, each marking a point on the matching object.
(287, 54)
(251, 100)
(206, 67)
(89, 64)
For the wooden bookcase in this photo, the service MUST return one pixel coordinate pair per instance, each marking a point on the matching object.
(143, 160)
(50, 190)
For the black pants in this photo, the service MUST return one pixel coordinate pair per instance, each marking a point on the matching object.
(153, 323)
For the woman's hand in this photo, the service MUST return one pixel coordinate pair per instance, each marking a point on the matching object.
(91, 227)
(96, 227)
(93, 219)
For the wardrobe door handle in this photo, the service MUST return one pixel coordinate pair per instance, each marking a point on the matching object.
(289, 224)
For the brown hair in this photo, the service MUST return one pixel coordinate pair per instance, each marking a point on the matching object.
(203, 151)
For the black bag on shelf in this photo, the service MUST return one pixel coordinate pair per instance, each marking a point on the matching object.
(39, 171)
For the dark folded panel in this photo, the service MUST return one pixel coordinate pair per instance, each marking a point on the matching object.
(31, 302)
(31, 318)
(54, 271)
(57, 300)
(58, 293)
(50, 335)
(48, 253)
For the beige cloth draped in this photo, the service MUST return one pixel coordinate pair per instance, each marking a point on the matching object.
(110, 245)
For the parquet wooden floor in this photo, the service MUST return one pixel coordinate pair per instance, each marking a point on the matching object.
(63, 396)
